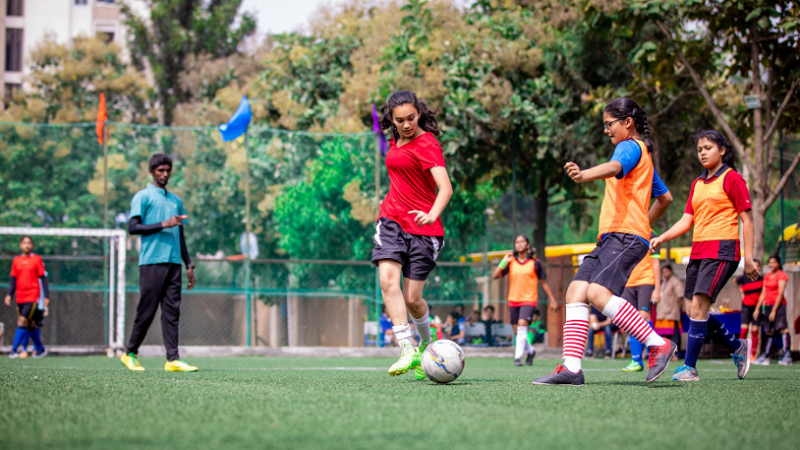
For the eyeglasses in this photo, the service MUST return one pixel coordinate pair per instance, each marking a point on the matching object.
(607, 125)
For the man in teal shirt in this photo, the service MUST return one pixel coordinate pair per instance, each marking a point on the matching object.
(158, 216)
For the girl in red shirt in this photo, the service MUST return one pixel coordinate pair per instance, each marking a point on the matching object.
(774, 309)
(718, 200)
(28, 283)
(409, 232)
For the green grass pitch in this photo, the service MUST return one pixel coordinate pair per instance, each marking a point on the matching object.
(351, 403)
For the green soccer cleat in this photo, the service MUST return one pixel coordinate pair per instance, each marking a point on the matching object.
(409, 360)
(418, 372)
(633, 367)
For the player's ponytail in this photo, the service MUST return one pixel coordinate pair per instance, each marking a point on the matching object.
(624, 107)
(729, 157)
(427, 117)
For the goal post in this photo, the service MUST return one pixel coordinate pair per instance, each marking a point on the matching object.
(116, 285)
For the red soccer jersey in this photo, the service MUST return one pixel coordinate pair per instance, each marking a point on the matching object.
(412, 187)
(751, 289)
(714, 214)
(27, 270)
(771, 287)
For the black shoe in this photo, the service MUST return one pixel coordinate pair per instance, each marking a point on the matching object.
(518, 362)
(589, 353)
(608, 354)
(529, 359)
(659, 360)
(561, 375)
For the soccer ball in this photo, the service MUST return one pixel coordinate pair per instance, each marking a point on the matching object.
(443, 361)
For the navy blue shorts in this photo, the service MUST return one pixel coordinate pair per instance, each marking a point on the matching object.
(417, 254)
(31, 312)
(640, 297)
(708, 277)
(610, 264)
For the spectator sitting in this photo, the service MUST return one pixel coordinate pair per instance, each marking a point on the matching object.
(597, 322)
(488, 320)
(455, 332)
(459, 310)
(386, 328)
(536, 330)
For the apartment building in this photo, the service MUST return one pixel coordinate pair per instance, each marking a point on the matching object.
(26, 22)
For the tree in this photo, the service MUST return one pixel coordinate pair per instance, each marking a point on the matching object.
(758, 41)
(177, 29)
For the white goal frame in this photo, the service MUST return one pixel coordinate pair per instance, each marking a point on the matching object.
(117, 248)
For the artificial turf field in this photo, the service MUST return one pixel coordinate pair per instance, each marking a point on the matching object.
(351, 403)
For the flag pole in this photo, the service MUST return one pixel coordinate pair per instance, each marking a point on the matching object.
(247, 235)
(105, 174)
(378, 336)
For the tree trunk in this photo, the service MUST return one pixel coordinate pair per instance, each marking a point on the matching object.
(541, 205)
(759, 227)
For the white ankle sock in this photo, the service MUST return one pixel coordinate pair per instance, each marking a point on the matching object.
(522, 342)
(403, 335)
(423, 326)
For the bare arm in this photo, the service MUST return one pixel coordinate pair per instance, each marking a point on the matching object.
(445, 191)
(748, 234)
(659, 207)
(680, 228)
(497, 273)
(551, 300)
(761, 298)
(599, 172)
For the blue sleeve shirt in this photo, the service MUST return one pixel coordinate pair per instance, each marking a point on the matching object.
(628, 153)
(156, 205)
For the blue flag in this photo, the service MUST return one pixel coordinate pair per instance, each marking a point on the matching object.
(238, 123)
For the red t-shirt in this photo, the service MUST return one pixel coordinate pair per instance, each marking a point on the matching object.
(412, 187)
(736, 189)
(771, 287)
(27, 270)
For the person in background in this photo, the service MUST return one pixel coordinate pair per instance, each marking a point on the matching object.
(537, 330)
(668, 310)
(386, 328)
(459, 310)
(774, 310)
(599, 322)
(29, 284)
(751, 292)
(454, 330)
(488, 321)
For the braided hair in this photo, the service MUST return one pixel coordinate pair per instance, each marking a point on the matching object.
(427, 117)
(624, 107)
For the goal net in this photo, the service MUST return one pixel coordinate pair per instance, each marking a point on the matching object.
(86, 273)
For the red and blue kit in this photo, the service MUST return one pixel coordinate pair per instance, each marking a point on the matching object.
(26, 273)
(412, 188)
(715, 203)
(752, 292)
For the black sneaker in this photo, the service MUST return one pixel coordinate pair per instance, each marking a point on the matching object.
(518, 361)
(529, 359)
(589, 353)
(561, 375)
(608, 354)
(659, 360)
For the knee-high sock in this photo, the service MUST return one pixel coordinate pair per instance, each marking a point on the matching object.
(697, 336)
(768, 348)
(629, 320)
(423, 326)
(718, 331)
(522, 342)
(576, 330)
(636, 350)
(36, 336)
(785, 339)
(403, 335)
(743, 332)
(590, 341)
(19, 338)
(755, 342)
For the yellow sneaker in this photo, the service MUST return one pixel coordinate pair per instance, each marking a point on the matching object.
(179, 366)
(131, 362)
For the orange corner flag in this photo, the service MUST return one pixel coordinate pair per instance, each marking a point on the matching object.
(101, 119)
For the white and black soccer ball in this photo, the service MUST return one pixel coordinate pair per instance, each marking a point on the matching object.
(443, 361)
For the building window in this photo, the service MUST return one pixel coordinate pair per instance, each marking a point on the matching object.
(11, 88)
(82, 2)
(106, 36)
(13, 49)
(14, 8)
(105, 1)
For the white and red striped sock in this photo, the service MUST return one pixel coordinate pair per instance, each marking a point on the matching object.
(629, 320)
(576, 330)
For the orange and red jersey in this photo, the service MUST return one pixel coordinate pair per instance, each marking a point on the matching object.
(626, 200)
(771, 287)
(643, 274)
(523, 281)
(751, 289)
(27, 270)
(716, 202)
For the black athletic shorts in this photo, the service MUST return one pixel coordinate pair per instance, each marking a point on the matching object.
(31, 312)
(780, 322)
(640, 297)
(416, 253)
(524, 312)
(747, 316)
(708, 276)
(610, 264)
